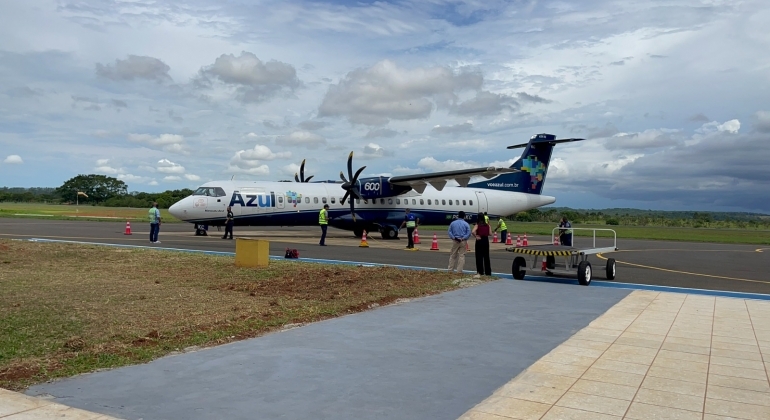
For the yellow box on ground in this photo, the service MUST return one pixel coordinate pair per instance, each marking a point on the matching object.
(252, 252)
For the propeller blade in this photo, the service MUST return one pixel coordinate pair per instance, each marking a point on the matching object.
(352, 210)
(296, 178)
(309, 178)
(356, 193)
(302, 170)
(345, 197)
(355, 178)
(350, 165)
(342, 176)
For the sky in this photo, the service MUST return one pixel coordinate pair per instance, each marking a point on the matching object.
(673, 96)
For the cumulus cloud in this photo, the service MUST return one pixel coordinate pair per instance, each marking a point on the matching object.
(172, 178)
(168, 142)
(465, 127)
(386, 92)
(13, 160)
(260, 152)
(373, 150)
(253, 79)
(103, 167)
(191, 177)
(434, 165)
(732, 126)
(301, 138)
(290, 169)
(762, 121)
(252, 161)
(168, 167)
(484, 104)
(381, 132)
(469, 144)
(135, 67)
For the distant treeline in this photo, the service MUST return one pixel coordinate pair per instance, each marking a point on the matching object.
(132, 199)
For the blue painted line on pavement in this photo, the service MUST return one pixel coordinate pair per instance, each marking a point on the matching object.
(541, 279)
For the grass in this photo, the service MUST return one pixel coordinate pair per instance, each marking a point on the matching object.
(83, 212)
(728, 236)
(67, 309)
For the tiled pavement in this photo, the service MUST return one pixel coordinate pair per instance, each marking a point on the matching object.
(651, 356)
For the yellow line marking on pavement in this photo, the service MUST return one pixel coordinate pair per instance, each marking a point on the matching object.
(684, 272)
(760, 249)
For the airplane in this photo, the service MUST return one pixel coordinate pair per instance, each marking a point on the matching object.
(378, 203)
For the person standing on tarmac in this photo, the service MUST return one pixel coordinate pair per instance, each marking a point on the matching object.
(503, 229)
(459, 232)
(565, 233)
(481, 232)
(411, 222)
(486, 218)
(154, 215)
(323, 220)
(229, 223)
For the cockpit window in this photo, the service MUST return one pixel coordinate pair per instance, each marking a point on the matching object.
(210, 191)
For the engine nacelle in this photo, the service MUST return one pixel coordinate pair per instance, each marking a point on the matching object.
(376, 187)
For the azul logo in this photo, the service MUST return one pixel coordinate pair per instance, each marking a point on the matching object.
(293, 198)
(535, 168)
(253, 200)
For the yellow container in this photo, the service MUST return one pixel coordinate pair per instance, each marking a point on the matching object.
(251, 252)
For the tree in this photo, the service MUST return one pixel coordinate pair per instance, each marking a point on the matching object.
(98, 188)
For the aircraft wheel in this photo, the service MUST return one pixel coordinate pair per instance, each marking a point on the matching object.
(550, 262)
(611, 269)
(584, 273)
(516, 268)
(389, 232)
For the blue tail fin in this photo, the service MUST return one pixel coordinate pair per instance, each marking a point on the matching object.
(533, 167)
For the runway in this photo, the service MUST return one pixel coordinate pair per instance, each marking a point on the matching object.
(722, 267)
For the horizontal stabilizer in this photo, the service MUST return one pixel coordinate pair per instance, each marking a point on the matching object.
(536, 141)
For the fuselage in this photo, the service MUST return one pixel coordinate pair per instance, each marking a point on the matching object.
(260, 203)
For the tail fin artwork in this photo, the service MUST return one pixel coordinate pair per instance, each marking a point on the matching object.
(533, 166)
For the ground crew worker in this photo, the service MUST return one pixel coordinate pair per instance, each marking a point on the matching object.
(229, 223)
(565, 234)
(154, 215)
(323, 220)
(411, 221)
(503, 229)
(486, 218)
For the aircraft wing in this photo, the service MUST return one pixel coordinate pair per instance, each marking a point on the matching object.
(438, 180)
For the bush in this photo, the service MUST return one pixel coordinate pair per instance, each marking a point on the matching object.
(613, 222)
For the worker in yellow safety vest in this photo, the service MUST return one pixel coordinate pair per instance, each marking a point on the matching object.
(323, 220)
(503, 229)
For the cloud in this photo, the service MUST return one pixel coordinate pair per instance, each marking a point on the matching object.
(290, 169)
(469, 144)
(168, 167)
(253, 79)
(526, 97)
(434, 165)
(172, 178)
(192, 177)
(466, 127)
(373, 151)
(105, 169)
(762, 121)
(117, 103)
(129, 178)
(252, 161)
(385, 92)
(301, 138)
(135, 67)
(260, 152)
(608, 131)
(648, 139)
(13, 160)
(312, 125)
(168, 142)
(381, 132)
(732, 126)
(699, 117)
(257, 170)
(485, 103)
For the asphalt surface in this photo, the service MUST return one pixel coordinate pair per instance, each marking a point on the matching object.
(430, 358)
(739, 268)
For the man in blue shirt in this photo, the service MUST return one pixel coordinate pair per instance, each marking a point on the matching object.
(410, 221)
(565, 234)
(459, 232)
(154, 215)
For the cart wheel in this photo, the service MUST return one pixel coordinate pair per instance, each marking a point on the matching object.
(516, 268)
(584, 273)
(611, 269)
(550, 261)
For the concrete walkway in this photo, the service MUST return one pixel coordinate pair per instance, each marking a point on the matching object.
(15, 406)
(652, 356)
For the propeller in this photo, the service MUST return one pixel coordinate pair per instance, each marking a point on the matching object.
(352, 190)
(301, 177)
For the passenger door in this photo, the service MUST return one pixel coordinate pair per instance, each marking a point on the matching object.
(482, 199)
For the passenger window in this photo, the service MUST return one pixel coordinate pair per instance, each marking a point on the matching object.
(323, 200)
(450, 202)
(307, 200)
(280, 199)
(443, 202)
(315, 200)
(429, 203)
(398, 201)
(464, 202)
(333, 200)
(421, 202)
(470, 202)
(414, 202)
(390, 201)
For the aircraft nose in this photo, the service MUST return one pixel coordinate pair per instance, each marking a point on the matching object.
(177, 210)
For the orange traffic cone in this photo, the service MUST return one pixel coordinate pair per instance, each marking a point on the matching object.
(518, 241)
(416, 237)
(494, 238)
(525, 243)
(555, 240)
(128, 228)
(363, 244)
(434, 245)
(509, 241)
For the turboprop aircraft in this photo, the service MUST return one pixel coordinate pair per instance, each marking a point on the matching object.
(378, 203)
